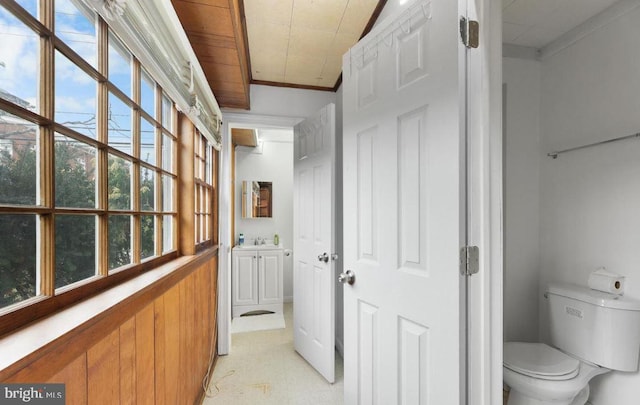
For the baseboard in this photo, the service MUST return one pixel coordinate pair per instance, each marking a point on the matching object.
(288, 299)
(340, 347)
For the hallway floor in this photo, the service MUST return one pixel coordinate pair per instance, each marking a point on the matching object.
(263, 368)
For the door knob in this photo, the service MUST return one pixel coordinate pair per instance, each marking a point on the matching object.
(347, 278)
(323, 257)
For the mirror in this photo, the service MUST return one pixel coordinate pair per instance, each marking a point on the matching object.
(257, 199)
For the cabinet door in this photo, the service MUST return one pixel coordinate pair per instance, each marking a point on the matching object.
(270, 278)
(244, 279)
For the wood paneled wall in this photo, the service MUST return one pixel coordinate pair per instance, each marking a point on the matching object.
(160, 355)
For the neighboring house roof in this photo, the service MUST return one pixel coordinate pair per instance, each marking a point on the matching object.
(14, 99)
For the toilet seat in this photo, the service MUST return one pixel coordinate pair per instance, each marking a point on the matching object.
(540, 361)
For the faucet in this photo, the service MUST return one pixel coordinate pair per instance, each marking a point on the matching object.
(259, 241)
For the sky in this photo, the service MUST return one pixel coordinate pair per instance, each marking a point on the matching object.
(75, 90)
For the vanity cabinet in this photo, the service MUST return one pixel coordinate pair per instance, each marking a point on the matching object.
(257, 280)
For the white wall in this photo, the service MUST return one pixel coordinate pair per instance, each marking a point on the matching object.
(590, 198)
(273, 107)
(286, 102)
(274, 164)
(521, 222)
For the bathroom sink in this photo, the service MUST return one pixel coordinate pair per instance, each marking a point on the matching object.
(267, 246)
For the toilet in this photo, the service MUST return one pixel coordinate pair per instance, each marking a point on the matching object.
(591, 333)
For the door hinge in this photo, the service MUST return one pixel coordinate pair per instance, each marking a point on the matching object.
(469, 260)
(469, 32)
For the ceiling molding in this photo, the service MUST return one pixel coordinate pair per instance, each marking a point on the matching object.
(291, 85)
(372, 21)
(520, 52)
(374, 17)
(588, 27)
(242, 45)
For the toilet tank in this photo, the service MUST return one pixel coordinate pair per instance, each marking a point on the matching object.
(595, 326)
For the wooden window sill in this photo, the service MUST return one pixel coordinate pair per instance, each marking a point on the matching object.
(104, 311)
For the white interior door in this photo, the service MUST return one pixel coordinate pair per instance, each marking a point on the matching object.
(313, 268)
(404, 213)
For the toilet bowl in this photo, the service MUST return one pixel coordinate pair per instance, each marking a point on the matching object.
(591, 333)
(582, 346)
(538, 374)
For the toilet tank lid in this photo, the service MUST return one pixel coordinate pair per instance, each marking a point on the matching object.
(594, 297)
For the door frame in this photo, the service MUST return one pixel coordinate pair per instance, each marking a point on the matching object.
(230, 121)
(485, 206)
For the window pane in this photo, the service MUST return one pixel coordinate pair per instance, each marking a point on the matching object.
(147, 94)
(207, 201)
(147, 232)
(76, 26)
(119, 183)
(147, 189)
(147, 142)
(119, 241)
(119, 124)
(75, 100)
(207, 168)
(196, 229)
(119, 65)
(19, 62)
(197, 170)
(167, 193)
(167, 112)
(167, 233)
(30, 5)
(17, 258)
(75, 248)
(18, 160)
(167, 153)
(75, 178)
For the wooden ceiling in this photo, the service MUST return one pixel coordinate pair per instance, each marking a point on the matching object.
(218, 34)
(244, 137)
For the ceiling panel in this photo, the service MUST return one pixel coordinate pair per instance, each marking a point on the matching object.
(303, 42)
(323, 15)
(269, 11)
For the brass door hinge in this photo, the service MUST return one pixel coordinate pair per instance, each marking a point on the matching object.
(469, 32)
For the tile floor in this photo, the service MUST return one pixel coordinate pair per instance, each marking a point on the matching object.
(263, 368)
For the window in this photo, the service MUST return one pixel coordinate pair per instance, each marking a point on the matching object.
(87, 187)
(205, 165)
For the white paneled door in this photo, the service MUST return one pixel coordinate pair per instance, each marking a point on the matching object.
(404, 212)
(314, 239)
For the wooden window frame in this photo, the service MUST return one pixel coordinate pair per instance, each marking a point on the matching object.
(48, 299)
(205, 163)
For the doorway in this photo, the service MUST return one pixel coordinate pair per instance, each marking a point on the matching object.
(248, 163)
